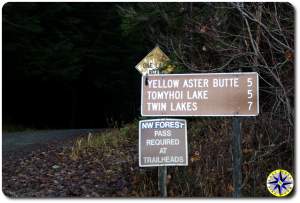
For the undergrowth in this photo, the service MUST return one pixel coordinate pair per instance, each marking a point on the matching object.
(209, 173)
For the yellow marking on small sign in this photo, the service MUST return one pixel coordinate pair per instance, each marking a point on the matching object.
(152, 62)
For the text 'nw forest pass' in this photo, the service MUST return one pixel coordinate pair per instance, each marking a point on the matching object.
(211, 94)
(163, 142)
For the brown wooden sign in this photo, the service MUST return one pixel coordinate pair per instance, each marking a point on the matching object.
(163, 142)
(211, 94)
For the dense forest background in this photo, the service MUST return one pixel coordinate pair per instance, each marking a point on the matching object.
(69, 65)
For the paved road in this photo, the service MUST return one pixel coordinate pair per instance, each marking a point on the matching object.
(21, 140)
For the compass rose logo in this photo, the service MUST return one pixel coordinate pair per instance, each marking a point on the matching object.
(280, 183)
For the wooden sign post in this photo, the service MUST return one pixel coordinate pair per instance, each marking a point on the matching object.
(162, 181)
(237, 156)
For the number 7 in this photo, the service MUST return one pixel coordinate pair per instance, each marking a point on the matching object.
(250, 105)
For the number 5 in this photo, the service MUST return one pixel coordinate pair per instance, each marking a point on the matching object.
(250, 83)
(250, 94)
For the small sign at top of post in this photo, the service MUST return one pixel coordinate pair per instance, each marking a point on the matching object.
(153, 62)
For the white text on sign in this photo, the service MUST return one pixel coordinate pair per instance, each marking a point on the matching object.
(218, 94)
(162, 142)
